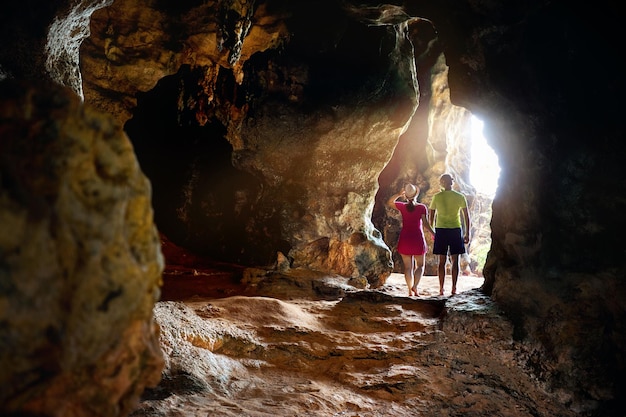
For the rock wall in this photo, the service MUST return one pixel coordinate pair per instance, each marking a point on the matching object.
(554, 267)
(303, 130)
(80, 260)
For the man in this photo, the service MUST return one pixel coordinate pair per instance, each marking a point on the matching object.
(445, 213)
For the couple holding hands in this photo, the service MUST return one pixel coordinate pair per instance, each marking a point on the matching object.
(444, 213)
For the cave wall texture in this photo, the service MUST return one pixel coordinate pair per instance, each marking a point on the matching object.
(272, 126)
(80, 259)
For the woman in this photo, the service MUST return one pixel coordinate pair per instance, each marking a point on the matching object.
(411, 243)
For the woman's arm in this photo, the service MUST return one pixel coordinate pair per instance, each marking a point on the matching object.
(392, 201)
(426, 224)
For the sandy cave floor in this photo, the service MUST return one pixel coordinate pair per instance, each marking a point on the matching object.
(429, 285)
(233, 350)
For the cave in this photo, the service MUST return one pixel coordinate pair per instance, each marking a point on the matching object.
(193, 220)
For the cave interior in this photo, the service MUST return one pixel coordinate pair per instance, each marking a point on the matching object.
(219, 160)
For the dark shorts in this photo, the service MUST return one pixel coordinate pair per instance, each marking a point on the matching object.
(448, 239)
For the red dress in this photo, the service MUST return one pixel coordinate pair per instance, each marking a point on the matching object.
(411, 240)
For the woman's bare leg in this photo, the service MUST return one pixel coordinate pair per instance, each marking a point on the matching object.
(408, 262)
(418, 272)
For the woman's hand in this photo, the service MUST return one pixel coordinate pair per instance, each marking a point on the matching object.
(392, 200)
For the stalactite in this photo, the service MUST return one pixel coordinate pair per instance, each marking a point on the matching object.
(234, 24)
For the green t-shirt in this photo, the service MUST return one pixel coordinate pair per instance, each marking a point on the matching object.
(448, 204)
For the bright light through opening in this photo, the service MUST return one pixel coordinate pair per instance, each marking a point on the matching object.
(484, 170)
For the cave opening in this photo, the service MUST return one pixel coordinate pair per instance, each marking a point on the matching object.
(477, 172)
(441, 138)
(484, 176)
(484, 166)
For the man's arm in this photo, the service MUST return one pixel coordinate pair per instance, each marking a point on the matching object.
(431, 217)
(466, 219)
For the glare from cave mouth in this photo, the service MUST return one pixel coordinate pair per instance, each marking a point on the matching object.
(484, 169)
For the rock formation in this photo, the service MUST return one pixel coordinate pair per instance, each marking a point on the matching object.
(302, 143)
(80, 258)
(274, 127)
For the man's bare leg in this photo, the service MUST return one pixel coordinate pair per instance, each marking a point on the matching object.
(455, 272)
(441, 271)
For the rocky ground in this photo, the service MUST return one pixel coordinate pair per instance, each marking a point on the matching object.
(296, 344)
